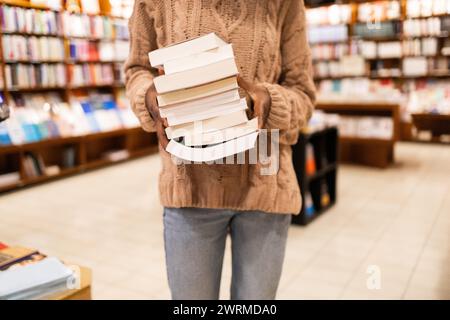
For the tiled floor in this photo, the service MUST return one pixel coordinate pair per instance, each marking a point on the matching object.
(389, 225)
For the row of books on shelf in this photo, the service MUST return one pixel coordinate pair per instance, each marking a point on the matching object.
(379, 11)
(35, 166)
(24, 20)
(355, 66)
(360, 90)
(342, 14)
(377, 127)
(91, 74)
(117, 8)
(326, 51)
(332, 15)
(420, 8)
(366, 127)
(84, 50)
(43, 49)
(382, 50)
(94, 26)
(345, 66)
(21, 48)
(20, 76)
(428, 97)
(44, 22)
(36, 117)
(376, 11)
(430, 27)
(58, 75)
(27, 274)
(434, 26)
(328, 33)
(418, 96)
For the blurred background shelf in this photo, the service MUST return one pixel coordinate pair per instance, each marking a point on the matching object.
(315, 159)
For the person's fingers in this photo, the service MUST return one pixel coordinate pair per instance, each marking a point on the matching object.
(161, 71)
(161, 133)
(244, 84)
(165, 122)
(259, 113)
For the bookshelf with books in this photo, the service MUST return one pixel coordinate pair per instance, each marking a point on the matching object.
(400, 46)
(315, 161)
(368, 131)
(61, 74)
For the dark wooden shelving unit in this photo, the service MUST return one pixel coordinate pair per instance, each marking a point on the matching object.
(368, 151)
(437, 124)
(325, 144)
(88, 149)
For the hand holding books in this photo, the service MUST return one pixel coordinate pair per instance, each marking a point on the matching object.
(151, 102)
(260, 98)
(197, 101)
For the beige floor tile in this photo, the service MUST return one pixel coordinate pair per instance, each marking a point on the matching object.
(111, 220)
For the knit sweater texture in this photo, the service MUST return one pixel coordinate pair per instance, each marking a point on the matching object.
(271, 48)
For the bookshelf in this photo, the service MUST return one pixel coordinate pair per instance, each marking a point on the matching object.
(400, 46)
(368, 150)
(437, 124)
(87, 153)
(316, 172)
(84, 62)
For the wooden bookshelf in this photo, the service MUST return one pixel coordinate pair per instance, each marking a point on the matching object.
(88, 153)
(437, 124)
(373, 64)
(325, 145)
(67, 61)
(368, 151)
(88, 149)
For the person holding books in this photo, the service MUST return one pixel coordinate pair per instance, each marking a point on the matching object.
(203, 203)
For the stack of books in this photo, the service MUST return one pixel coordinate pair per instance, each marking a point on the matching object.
(26, 274)
(36, 277)
(199, 96)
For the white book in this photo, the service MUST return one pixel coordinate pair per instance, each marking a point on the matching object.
(198, 92)
(199, 104)
(215, 152)
(199, 60)
(213, 124)
(219, 136)
(18, 280)
(196, 77)
(186, 48)
(211, 112)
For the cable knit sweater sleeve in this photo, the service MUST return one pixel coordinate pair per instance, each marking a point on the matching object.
(294, 97)
(139, 74)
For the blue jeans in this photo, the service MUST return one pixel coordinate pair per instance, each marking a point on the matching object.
(195, 245)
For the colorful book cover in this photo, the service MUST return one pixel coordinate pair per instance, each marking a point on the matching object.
(310, 160)
(309, 205)
(13, 255)
(325, 199)
(5, 139)
(90, 116)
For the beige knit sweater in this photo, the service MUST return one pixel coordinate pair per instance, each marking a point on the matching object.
(269, 40)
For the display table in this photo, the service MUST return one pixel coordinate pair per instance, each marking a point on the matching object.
(368, 151)
(83, 293)
(437, 124)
